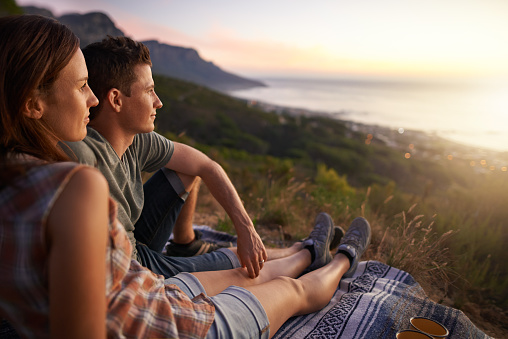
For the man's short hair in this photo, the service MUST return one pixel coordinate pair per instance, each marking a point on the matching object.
(111, 64)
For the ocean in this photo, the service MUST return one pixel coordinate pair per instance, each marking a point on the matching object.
(473, 114)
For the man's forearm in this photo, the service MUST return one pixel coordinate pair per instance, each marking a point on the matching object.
(222, 189)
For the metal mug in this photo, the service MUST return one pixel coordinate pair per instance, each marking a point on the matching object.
(412, 334)
(431, 327)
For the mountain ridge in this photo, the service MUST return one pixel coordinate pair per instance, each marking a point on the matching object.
(169, 60)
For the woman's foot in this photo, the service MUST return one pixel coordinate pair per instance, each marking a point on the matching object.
(354, 243)
(318, 242)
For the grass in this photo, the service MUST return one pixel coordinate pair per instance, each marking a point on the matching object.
(440, 240)
(456, 259)
(407, 242)
(412, 245)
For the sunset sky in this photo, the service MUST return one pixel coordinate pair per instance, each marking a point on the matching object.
(444, 38)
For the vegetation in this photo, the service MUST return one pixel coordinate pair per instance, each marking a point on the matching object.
(9, 7)
(433, 213)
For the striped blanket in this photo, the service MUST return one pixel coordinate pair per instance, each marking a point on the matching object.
(376, 302)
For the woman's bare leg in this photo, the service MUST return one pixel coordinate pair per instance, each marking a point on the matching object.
(318, 242)
(284, 297)
(215, 282)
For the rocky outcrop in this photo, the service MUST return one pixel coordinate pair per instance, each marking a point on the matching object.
(90, 27)
(186, 64)
(173, 61)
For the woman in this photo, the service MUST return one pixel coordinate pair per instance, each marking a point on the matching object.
(58, 226)
(44, 99)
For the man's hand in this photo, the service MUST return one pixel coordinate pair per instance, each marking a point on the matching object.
(251, 251)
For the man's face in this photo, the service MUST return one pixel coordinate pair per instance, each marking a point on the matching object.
(139, 108)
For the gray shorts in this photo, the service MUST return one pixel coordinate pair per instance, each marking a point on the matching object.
(238, 313)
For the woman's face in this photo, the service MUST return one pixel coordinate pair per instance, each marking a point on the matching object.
(66, 107)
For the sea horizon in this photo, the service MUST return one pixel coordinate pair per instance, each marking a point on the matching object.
(474, 114)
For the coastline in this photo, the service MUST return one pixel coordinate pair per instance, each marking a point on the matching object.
(468, 113)
(430, 146)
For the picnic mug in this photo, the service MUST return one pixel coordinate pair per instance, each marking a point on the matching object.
(431, 327)
(412, 334)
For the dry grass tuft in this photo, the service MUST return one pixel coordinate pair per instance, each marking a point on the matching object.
(411, 244)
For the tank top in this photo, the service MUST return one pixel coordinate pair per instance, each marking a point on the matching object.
(140, 304)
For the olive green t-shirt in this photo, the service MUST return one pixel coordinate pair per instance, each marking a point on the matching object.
(147, 153)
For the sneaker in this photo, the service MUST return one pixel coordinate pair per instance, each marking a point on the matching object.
(354, 243)
(338, 233)
(196, 247)
(318, 242)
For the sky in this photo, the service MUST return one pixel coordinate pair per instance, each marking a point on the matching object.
(321, 38)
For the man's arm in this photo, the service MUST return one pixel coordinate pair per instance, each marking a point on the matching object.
(191, 163)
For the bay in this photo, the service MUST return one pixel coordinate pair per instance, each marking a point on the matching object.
(471, 113)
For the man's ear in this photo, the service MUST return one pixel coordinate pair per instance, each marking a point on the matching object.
(33, 108)
(114, 99)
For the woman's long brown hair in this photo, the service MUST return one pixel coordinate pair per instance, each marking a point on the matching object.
(33, 51)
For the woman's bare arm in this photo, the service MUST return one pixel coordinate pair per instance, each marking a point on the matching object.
(77, 231)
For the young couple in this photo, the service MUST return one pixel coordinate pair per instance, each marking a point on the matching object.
(65, 259)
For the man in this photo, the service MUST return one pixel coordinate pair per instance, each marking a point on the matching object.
(122, 144)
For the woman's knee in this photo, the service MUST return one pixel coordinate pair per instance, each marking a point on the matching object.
(291, 284)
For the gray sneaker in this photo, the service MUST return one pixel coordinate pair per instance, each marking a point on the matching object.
(354, 243)
(319, 241)
(196, 247)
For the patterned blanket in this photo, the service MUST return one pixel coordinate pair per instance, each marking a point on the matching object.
(376, 302)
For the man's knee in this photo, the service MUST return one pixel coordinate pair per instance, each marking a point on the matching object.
(190, 182)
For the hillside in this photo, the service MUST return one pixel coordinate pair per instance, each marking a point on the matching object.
(214, 119)
(434, 216)
(186, 64)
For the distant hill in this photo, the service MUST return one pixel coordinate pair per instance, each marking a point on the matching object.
(173, 61)
(38, 11)
(90, 27)
(186, 64)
